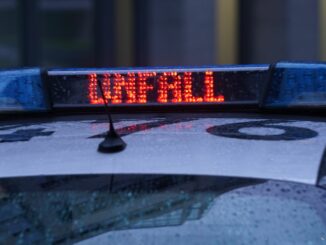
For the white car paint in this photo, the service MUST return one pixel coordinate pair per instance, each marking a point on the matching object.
(180, 148)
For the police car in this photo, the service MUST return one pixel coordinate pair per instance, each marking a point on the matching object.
(179, 155)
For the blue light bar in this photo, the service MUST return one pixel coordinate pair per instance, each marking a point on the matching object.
(22, 90)
(296, 85)
(290, 85)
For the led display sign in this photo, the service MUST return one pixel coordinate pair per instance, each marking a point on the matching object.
(156, 86)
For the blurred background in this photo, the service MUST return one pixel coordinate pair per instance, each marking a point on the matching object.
(110, 33)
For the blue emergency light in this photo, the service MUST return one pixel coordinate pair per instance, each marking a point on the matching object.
(295, 85)
(284, 85)
(22, 90)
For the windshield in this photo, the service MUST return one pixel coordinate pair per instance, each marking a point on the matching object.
(159, 209)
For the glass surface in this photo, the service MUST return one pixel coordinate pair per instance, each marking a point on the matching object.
(159, 209)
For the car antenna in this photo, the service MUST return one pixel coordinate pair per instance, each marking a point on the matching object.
(112, 142)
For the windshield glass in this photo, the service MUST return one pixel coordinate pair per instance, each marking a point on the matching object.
(159, 209)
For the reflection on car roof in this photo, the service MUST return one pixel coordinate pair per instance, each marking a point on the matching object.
(243, 147)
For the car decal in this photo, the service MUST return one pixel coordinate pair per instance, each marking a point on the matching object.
(2, 128)
(24, 135)
(233, 130)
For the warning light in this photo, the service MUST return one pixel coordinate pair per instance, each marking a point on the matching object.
(296, 86)
(188, 94)
(282, 85)
(155, 86)
(143, 87)
(172, 87)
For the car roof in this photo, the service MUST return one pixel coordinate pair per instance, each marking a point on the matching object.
(241, 145)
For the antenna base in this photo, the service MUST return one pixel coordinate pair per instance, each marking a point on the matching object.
(112, 143)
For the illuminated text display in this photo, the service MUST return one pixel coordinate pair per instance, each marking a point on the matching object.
(155, 87)
(141, 88)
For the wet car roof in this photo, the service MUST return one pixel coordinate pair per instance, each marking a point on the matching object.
(240, 145)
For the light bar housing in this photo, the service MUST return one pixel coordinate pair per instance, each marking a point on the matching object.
(23, 90)
(295, 86)
(285, 85)
(157, 86)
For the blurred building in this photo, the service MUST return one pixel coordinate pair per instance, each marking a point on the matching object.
(80, 33)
